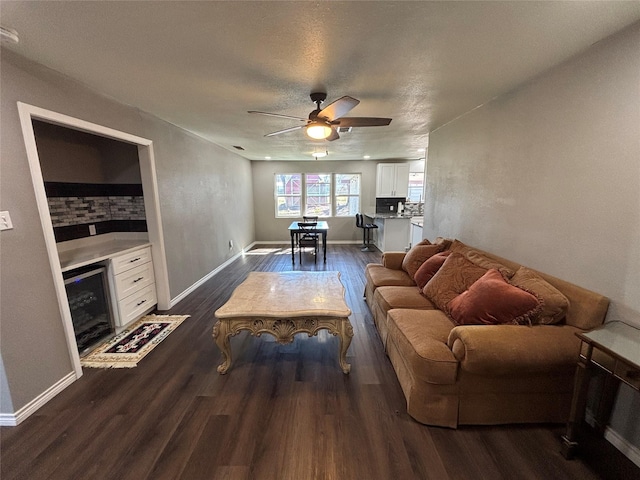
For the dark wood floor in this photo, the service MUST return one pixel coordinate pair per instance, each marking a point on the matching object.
(282, 412)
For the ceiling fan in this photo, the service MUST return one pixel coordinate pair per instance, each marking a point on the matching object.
(324, 123)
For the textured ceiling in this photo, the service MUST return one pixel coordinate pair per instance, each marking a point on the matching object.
(203, 65)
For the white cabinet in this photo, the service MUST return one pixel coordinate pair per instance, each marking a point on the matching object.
(392, 180)
(133, 285)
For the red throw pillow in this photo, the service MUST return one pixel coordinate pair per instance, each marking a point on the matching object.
(493, 301)
(429, 268)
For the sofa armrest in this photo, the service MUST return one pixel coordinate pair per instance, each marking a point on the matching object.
(513, 349)
(393, 260)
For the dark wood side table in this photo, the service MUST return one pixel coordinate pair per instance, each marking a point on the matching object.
(615, 349)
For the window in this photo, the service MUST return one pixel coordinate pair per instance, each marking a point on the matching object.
(347, 194)
(320, 191)
(288, 193)
(318, 194)
(416, 187)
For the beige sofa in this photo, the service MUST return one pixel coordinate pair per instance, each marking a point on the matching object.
(478, 374)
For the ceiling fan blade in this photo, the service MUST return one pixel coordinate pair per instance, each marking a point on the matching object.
(334, 135)
(277, 115)
(337, 109)
(291, 129)
(362, 122)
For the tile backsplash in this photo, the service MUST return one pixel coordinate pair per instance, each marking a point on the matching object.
(67, 211)
(108, 207)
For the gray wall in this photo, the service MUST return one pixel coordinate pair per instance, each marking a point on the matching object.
(68, 155)
(549, 175)
(206, 199)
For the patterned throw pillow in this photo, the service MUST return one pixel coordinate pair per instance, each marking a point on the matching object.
(455, 276)
(554, 303)
(488, 263)
(493, 301)
(429, 268)
(417, 256)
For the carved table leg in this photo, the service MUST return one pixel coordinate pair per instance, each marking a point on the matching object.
(221, 335)
(345, 335)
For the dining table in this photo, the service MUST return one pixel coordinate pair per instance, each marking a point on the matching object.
(322, 227)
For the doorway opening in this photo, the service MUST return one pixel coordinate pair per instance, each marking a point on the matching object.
(29, 113)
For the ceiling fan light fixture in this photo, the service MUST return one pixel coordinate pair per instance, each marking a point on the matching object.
(318, 130)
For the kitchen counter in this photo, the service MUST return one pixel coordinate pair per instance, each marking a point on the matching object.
(392, 233)
(388, 215)
(88, 252)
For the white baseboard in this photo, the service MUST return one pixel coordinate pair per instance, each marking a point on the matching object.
(614, 438)
(189, 290)
(13, 419)
(193, 287)
(628, 450)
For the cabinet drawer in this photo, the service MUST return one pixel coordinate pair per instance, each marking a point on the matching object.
(129, 282)
(135, 305)
(628, 374)
(130, 260)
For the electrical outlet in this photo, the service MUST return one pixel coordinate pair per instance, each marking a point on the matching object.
(5, 221)
(92, 229)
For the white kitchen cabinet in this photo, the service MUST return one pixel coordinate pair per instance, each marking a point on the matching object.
(133, 287)
(392, 180)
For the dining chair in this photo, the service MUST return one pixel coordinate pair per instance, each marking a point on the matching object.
(308, 238)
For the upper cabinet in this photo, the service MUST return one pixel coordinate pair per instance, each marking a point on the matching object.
(392, 180)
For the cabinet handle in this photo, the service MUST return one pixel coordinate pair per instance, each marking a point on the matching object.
(140, 303)
(134, 260)
(138, 279)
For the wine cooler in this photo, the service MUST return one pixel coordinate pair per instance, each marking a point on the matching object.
(87, 292)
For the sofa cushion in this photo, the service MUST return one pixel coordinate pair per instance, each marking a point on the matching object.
(429, 268)
(554, 303)
(389, 297)
(378, 276)
(455, 276)
(417, 256)
(421, 338)
(492, 301)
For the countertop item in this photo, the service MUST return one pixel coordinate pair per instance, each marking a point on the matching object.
(97, 252)
(387, 216)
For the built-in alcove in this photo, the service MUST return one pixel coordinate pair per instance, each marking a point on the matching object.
(93, 183)
(105, 158)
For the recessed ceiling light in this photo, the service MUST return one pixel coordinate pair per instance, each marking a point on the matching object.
(367, 157)
(320, 154)
(267, 158)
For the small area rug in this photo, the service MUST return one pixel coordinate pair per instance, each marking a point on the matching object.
(130, 346)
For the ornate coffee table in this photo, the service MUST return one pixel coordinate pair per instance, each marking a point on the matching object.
(283, 304)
